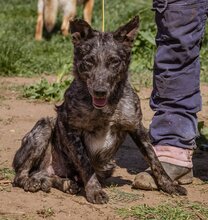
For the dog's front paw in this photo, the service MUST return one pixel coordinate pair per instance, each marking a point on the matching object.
(34, 184)
(97, 196)
(174, 189)
(94, 192)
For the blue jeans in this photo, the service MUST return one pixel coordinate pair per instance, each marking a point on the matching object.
(176, 93)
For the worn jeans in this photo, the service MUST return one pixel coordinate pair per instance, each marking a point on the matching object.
(176, 81)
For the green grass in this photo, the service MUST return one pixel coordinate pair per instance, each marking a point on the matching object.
(7, 173)
(21, 55)
(202, 140)
(117, 195)
(6, 177)
(46, 212)
(50, 92)
(167, 211)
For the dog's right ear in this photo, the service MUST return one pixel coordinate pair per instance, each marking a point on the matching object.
(80, 31)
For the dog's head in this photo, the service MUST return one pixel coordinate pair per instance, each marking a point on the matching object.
(101, 60)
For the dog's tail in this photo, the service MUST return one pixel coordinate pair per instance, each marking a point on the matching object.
(50, 14)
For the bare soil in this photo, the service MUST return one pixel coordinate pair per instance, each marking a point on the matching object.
(17, 116)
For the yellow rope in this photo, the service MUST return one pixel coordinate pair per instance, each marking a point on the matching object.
(103, 10)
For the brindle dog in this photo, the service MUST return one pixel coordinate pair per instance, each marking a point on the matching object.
(100, 108)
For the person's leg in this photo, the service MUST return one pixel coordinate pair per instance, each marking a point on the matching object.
(176, 94)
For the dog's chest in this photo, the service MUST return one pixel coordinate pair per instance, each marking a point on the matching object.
(101, 141)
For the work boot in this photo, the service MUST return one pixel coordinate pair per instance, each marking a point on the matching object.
(182, 175)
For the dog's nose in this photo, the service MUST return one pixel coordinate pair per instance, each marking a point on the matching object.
(100, 92)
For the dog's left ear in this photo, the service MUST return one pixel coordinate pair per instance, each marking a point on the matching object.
(80, 31)
(127, 33)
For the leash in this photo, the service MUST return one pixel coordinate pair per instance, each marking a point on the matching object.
(103, 16)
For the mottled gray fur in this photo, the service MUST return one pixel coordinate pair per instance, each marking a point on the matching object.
(100, 108)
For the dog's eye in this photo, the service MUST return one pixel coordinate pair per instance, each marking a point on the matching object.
(89, 62)
(114, 61)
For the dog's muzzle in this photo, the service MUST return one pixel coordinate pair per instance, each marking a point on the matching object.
(99, 98)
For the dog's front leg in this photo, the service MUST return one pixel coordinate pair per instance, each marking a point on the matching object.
(141, 138)
(76, 152)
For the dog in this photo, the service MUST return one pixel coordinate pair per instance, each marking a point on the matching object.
(47, 12)
(99, 109)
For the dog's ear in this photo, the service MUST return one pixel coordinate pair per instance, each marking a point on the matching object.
(80, 30)
(127, 33)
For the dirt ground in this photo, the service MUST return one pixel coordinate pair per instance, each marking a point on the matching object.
(17, 116)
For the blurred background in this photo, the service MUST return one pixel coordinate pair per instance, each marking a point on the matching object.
(21, 55)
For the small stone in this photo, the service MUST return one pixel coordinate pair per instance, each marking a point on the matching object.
(144, 181)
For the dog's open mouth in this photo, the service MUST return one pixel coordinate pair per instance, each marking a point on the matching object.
(99, 102)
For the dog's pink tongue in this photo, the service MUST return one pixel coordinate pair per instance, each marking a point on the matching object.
(99, 102)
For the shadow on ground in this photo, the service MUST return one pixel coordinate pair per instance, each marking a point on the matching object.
(129, 157)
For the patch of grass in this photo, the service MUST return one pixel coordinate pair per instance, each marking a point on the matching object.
(46, 91)
(20, 53)
(167, 211)
(7, 173)
(6, 177)
(46, 212)
(117, 195)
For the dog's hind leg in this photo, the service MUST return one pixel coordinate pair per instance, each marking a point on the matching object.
(141, 138)
(32, 159)
(88, 8)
